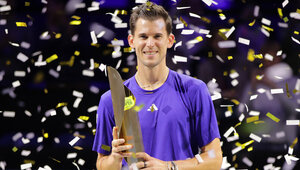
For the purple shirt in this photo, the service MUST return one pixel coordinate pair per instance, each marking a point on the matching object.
(176, 120)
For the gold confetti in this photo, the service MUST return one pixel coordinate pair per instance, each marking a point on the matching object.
(77, 53)
(78, 148)
(244, 144)
(287, 90)
(14, 149)
(231, 21)
(125, 70)
(94, 131)
(206, 20)
(298, 11)
(259, 77)
(29, 161)
(238, 124)
(268, 28)
(236, 102)
(252, 119)
(75, 22)
(84, 118)
(294, 143)
(45, 91)
(129, 103)
(51, 58)
(127, 50)
(27, 3)
(252, 23)
(199, 38)
(210, 54)
(250, 55)
(259, 122)
(279, 10)
(274, 118)
(296, 32)
(21, 24)
(260, 66)
(230, 57)
(61, 104)
(76, 17)
(58, 35)
(250, 149)
(138, 108)
(105, 147)
(55, 160)
(46, 135)
(296, 91)
(183, 21)
(225, 73)
(95, 45)
(285, 19)
(258, 56)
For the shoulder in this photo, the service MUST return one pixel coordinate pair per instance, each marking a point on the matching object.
(188, 82)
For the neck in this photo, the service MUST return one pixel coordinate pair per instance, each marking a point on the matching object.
(151, 78)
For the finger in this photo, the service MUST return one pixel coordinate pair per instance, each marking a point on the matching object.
(117, 142)
(122, 148)
(126, 154)
(140, 165)
(143, 155)
(115, 132)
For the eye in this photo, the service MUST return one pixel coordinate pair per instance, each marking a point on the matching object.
(157, 36)
(143, 36)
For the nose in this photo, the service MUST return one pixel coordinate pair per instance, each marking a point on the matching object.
(150, 42)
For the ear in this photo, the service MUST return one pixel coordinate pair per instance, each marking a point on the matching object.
(171, 40)
(130, 40)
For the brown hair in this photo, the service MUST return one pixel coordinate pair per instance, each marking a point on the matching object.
(150, 11)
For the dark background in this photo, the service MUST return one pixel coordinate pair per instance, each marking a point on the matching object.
(40, 91)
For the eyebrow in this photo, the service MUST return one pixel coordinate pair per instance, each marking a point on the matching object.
(143, 34)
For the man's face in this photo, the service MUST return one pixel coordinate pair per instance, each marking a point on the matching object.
(151, 41)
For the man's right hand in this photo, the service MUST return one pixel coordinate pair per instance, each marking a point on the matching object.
(119, 150)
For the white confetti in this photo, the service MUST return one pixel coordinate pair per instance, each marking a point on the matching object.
(209, 2)
(16, 84)
(53, 73)
(178, 58)
(295, 40)
(5, 8)
(184, 7)
(268, 57)
(255, 137)
(19, 73)
(81, 162)
(93, 8)
(236, 150)
(292, 122)
(280, 134)
(284, 3)
(3, 3)
(203, 31)
(88, 73)
(177, 45)
(117, 42)
(92, 109)
(271, 160)
(25, 152)
(187, 32)
(194, 15)
(17, 136)
(66, 111)
(252, 97)
(25, 45)
(254, 113)
(220, 58)
(290, 151)
(256, 11)
(244, 41)
(265, 32)
(94, 38)
(228, 113)
(216, 96)
(265, 21)
(71, 155)
(9, 114)
(77, 102)
(247, 161)
(276, 91)
(279, 53)
(241, 118)
(72, 142)
(295, 15)
(228, 132)
(261, 90)
(25, 140)
(234, 82)
(22, 57)
(227, 44)
(229, 32)
(77, 94)
(121, 25)
(26, 166)
(179, 26)
(283, 25)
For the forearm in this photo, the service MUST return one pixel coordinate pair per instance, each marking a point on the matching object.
(213, 163)
(108, 162)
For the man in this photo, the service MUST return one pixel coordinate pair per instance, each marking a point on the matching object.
(178, 115)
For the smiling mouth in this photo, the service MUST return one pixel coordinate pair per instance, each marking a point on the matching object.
(150, 52)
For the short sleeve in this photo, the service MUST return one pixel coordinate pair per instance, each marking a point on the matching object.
(105, 123)
(206, 125)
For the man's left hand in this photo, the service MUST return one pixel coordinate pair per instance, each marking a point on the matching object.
(150, 162)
